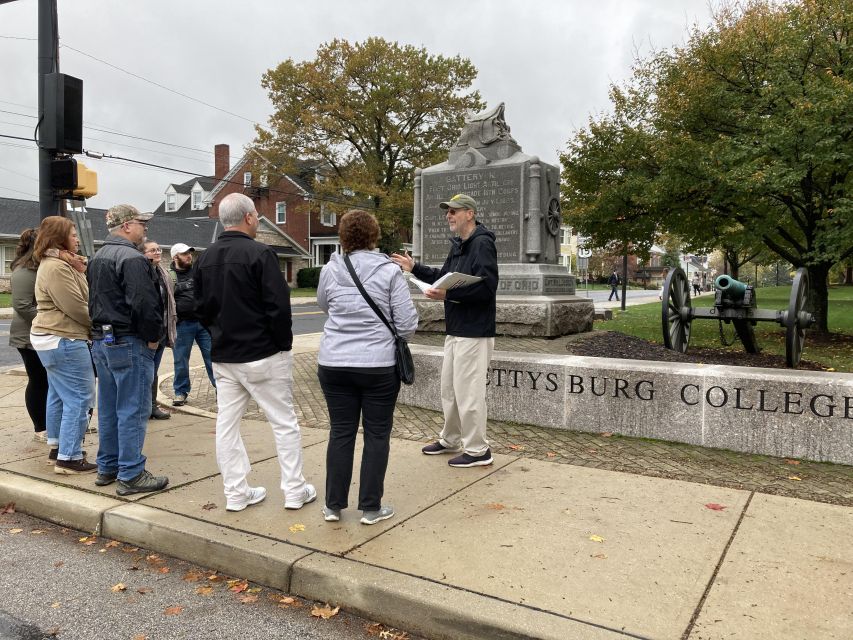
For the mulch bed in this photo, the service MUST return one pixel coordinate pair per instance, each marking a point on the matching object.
(610, 344)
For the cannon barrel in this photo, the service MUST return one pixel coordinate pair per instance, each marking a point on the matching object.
(734, 289)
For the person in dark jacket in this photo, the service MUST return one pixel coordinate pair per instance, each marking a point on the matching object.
(188, 329)
(127, 325)
(613, 281)
(470, 320)
(243, 300)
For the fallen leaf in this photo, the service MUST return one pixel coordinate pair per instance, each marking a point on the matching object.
(143, 590)
(9, 508)
(297, 527)
(606, 434)
(516, 447)
(215, 578)
(192, 576)
(254, 590)
(55, 605)
(599, 556)
(495, 506)
(14, 531)
(204, 591)
(102, 550)
(797, 478)
(111, 544)
(130, 549)
(153, 558)
(58, 564)
(209, 506)
(324, 612)
(713, 506)
(140, 636)
(596, 538)
(37, 532)
(240, 587)
(164, 569)
(286, 600)
(551, 454)
(53, 631)
(374, 629)
(88, 540)
(119, 587)
(248, 599)
(792, 461)
(173, 611)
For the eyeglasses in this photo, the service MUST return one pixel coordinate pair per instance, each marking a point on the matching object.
(153, 251)
(453, 212)
(140, 222)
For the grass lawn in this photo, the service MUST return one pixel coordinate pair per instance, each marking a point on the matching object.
(5, 299)
(644, 321)
(305, 292)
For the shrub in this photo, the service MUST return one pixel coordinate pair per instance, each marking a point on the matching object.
(308, 277)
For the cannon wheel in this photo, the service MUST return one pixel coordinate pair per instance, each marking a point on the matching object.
(677, 311)
(746, 333)
(797, 318)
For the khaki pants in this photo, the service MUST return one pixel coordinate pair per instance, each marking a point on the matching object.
(463, 393)
(270, 383)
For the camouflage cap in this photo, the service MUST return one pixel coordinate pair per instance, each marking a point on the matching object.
(460, 201)
(121, 213)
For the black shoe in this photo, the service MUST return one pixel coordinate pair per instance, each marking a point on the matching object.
(143, 483)
(53, 454)
(158, 414)
(436, 448)
(466, 460)
(74, 467)
(104, 479)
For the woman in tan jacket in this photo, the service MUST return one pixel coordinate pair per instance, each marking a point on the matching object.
(60, 335)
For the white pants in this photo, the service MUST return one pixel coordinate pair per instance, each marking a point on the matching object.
(270, 383)
(463, 393)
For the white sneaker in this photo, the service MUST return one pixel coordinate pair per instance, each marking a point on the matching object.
(309, 494)
(331, 515)
(256, 495)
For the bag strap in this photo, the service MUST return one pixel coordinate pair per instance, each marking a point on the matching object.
(367, 297)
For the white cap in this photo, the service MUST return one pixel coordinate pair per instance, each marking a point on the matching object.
(180, 247)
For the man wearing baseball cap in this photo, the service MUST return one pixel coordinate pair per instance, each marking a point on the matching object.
(127, 325)
(188, 329)
(469, 314)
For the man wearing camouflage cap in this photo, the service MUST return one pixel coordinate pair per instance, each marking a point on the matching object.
(469, 315)
(127, 325)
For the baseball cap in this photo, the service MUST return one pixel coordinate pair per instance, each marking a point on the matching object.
(180, 247)
(121, 213)
(460, 201)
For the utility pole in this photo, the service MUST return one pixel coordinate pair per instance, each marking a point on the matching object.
(48, 62)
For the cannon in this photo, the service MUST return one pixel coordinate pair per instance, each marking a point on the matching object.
(735, 303)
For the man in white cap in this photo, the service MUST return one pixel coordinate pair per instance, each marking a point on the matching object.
(188, 329)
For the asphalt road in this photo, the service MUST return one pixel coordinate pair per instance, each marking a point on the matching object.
(56, 585)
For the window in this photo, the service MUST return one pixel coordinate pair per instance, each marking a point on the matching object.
(567, 235)
(247, 179)
(264, 180)
(196, 204)
(170, 202)
(280, 212)
(327, 218)
(8, 257)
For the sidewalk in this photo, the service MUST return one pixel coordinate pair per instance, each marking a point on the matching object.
(567, 535)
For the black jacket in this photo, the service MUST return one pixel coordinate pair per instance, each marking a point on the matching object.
(614, 279)
(242, 299)
(469, 312)
(184, 297)
(124, 291)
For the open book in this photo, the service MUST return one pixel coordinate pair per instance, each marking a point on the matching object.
(447, 281)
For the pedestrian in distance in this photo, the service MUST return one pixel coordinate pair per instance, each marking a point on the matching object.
(470, 323)
(60, 335)
(126, 308)
(243, 300)
(24, 308)
(697, 285)
(357, 365)
(613, 281)
(152, 251)
(189, 329)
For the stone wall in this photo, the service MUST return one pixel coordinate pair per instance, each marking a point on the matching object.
(797, 414)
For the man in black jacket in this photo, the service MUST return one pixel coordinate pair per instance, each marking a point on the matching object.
(127, 325)
(469, 316)
(188, 329)
(243, 300)
(613, 281)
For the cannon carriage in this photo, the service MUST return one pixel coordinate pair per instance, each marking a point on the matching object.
(735, 303)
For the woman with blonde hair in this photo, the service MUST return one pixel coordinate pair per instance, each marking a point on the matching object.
(60, 334)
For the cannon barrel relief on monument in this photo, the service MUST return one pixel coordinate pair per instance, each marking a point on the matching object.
(735, 303)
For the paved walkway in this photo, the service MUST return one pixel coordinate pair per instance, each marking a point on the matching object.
(567, 535)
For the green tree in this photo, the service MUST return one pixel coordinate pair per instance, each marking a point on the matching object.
(372, 111)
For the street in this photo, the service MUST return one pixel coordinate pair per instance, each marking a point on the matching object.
(57, 582)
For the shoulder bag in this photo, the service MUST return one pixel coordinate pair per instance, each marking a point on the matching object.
(405, 363)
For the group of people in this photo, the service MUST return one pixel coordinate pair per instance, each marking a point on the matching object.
(234, 303)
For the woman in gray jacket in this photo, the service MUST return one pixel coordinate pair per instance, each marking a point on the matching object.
(24, 269)
(357, 367)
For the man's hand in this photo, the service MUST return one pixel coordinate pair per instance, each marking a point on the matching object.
(153, 346)
(405, 261)
(435, 294)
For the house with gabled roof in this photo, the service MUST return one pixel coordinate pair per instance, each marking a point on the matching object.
(187, 199)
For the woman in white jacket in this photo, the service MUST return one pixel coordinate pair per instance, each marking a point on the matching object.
(357, 367)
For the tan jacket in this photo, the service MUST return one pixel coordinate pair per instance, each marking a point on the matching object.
(62, 296)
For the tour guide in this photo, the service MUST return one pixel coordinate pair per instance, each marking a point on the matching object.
(469, 314)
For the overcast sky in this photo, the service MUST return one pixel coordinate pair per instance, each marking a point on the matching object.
(550, 61)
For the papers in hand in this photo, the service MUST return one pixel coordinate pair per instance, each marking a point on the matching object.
(447, 281)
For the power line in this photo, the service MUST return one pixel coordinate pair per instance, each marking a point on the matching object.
(157, 84)
(23, 175)
(26, 193)
(18, 38)
(15, 113)
(4, 135)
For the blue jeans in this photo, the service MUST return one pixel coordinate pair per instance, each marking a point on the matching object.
(125, 374)
(187, 332)
(71, 392)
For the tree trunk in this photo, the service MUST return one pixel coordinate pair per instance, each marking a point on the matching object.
(819, 295)
(848, 278)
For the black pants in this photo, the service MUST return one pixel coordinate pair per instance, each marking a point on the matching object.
(36, 394)
(614, 291)
(369, 394)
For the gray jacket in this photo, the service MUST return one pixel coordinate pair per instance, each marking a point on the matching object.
(354, 336)
(24, 305)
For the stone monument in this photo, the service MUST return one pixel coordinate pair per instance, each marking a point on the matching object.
(518, 197)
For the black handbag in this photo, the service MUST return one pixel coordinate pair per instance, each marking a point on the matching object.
(405, 363)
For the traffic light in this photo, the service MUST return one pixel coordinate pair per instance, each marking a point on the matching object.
(68, 175)
(87, 182)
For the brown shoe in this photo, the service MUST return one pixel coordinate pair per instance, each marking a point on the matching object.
(74, 467)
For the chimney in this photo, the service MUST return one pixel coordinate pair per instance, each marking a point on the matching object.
(221, 161)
